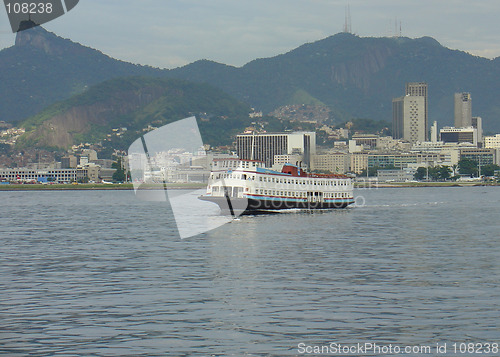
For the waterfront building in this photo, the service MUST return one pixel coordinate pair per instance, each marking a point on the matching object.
(419, 89)
(29, 175)
(264, 146)
(69, 162)
(459, 135)
(335, 163)
(409, 118)
(402, 175)
(403, 160)
(88, 171)
(492, 142)
(463, 110)
(481, 156)
(280, 160)
(391, 160)
(359, 162)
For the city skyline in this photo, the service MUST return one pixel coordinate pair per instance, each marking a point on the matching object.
(175, 33)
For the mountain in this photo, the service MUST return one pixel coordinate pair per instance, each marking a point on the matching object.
(358, 77)
(42, 68)
(134, 103)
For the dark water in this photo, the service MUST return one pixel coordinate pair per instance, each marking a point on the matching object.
(97, 273)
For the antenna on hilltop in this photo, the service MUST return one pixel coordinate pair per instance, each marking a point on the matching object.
(397, 33)
(347, 23)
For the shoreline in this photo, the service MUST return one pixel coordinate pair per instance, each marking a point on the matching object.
(97, 187)
(421, 184)
(181, 186)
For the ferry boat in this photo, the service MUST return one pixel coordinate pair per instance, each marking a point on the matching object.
(247, 186)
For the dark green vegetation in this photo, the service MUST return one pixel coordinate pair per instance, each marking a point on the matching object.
(436, 173)
(471, 168)
(356, 77)
(359, 77)
(465, 167)
(43, 68)
(135, 103)
(119, 175)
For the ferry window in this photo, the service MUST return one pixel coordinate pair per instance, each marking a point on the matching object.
(260, 178)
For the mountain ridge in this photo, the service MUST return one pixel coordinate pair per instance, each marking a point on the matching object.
(135, 103)
(357, 77)
(43, 68)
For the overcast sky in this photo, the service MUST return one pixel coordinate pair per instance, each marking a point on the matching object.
(171, 33)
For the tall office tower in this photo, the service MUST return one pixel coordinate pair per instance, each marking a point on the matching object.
(463, 110)
(408, 118)
(434, 132)
(419, 89)
(265, 146)
(477, 122)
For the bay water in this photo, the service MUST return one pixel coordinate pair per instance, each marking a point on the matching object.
(99, 273)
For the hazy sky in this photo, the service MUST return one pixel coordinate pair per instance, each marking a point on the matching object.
(171, 33)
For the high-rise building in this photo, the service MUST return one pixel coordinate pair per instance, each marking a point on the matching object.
(477, 122)
(463, 110)
(419, 89)
(265, 146)
(408, 118)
